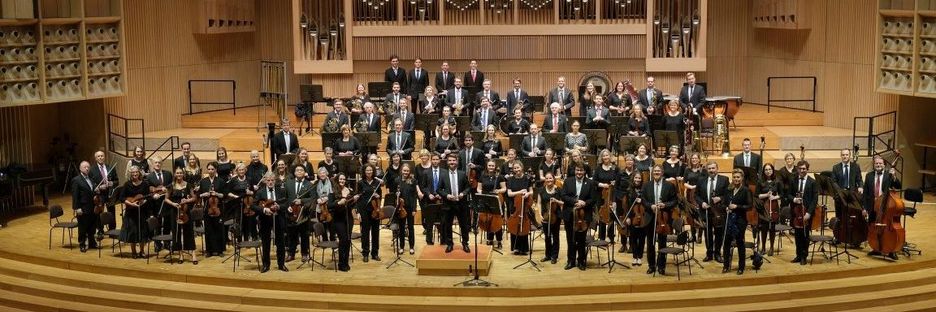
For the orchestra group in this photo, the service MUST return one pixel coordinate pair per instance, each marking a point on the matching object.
(644, 198)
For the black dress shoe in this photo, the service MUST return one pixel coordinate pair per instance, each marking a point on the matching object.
(707, 259)
(553, 261)
(545, 259)
(375, 258)
(264, 269)
(283, 268)
(582, 266)
(892, 256)
(448, 249)
(465, 248)
(662, 271)
(651, 270)
(725, 270)
(83, 249)
(874, 253)
(741, 271)
(430, 243)
(719, 259)
(795, 260)
(499, 245)
(802, 261)
(344, 268)
(366, 259)
(569, 266)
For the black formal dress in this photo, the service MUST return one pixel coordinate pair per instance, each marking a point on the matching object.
(602, 175)
(407, 189)
(215, 236)
(370, 227)
(521, 244)
(550, 226)
(489, 183)
(134, 228)
(183, 234)
(737, 223)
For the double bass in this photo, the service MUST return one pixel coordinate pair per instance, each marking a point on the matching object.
(886, 234)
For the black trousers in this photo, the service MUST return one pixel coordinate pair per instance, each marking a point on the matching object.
(577, 252)
(802, 242)
(87, 223)
(449, 214)
(370, 235)
(735, 234)
(638, 240)
(214, 234)
(275, 225)
(714, 233)
(499, 235)
(766, 229)
(167, 223)
(551, 233)
(344, 241)
(406, 231)
(655, 260)
(185, 241)
(298, 234)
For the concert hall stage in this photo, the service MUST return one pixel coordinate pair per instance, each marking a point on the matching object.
(433, 260)
(33, 277)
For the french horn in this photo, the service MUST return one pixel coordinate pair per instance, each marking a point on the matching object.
(331, 125)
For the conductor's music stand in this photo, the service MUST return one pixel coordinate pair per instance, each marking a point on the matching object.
(629, 144)
(555, 142)
(488, 204)
(349, 165)
(329, 139)
(515, 141)
(662, 140)
(369, 141)
(597, 137)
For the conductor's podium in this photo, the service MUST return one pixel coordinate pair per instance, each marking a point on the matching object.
(434, 261)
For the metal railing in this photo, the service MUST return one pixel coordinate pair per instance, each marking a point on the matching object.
(118, 128)
(881, 129)
(232, 103)
(770, 100)
(170, 145)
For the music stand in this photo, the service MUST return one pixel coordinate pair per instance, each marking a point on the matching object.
(432, 214)
(581, 120)
(369, 140)
(380, 88)
(329, 139)
(629, 144)
(462, 124)
(591, 159)
(750, 174)
(398, 232)
(532, 163)
(539, 103)
(655, 122)
(515, 141)
(664, 139)
(618, 124)
(478, 137)
(288, 158)
(597, 137)
(555, 141)
(481, 203)
(349, 165)
(425, 122)
(612, 262)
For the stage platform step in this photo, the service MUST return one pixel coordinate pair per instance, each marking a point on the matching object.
(433, 260)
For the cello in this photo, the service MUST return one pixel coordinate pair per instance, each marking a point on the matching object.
(604, 212)
(520, 221)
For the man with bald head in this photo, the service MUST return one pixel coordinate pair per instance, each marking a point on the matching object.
(83, 190)
(100, 171)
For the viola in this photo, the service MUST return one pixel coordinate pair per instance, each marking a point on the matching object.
(663, 224)
(400, 209)
(183, 216)
(247, 202)
(324, 215)
(772, 207)
(296, 211)
(799, 213)
(376, 212)
(213, 206)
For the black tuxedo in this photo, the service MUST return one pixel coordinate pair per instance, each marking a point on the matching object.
(394, 98)
(810, 198)
(275, 223)
(399, 76)
(668, 199)
(408, 121)
(297, 233)
(450, 97)
(512, 100)
(850, 182)
(567, 101)
(645, 101)
(153, 178)
(697, 99)
(454, 209)
(96, 177)
(714, 231)
(373, 121)
(404, 144)
(755, 161)
(418, 85)
(575, 241)
(279, 146)
(83, 199)
(476, 121)
(528, 145)
(477, 158)
(476, 82)
(548, 123)
(442, 84)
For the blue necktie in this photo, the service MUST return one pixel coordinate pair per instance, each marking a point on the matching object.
(435, 180)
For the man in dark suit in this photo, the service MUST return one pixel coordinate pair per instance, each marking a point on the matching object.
(711, 191)
(747, 158)
(159, 181)
(516, 96)
(455, 192)
(418, 79)
(395, 73)
(182, 161)
(271, 221)
(473, 77)
(534, 144)
(395, 96)
(370, 117)
(650, 98)
(406, 115)
(804, 193)
(692, 95)
(556, 121)
(484, 116)
(563, 96)
(444, 79)
(486, 92)
(877, 183)
(399, 141)
(456, 95)
(659, 196)
(598, 115)
(847, 174)
(286, 142)
(106, 179)
(429, 186)
(339, 114)
(578, 192)
(297, 192)
(83, 190)
(470, 158)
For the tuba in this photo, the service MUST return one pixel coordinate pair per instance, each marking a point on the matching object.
(330, 126)
(721, 134)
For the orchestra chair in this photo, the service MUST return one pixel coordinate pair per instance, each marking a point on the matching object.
(55, 212)
(915, 196)
(114, 234)
(680, 248)
(154, 223)
(197, 217)
(322, 243)
(818, 243)
(597, 245)
(782, 229)
(239, 244)
(707, 132)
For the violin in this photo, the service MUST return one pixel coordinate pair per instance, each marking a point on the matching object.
(247, 202)
(213, 209)
(400, 210)
(772, 207)
(138, 199)
(98, 204)
(799, 213)
(324, 215)
(183, 216)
